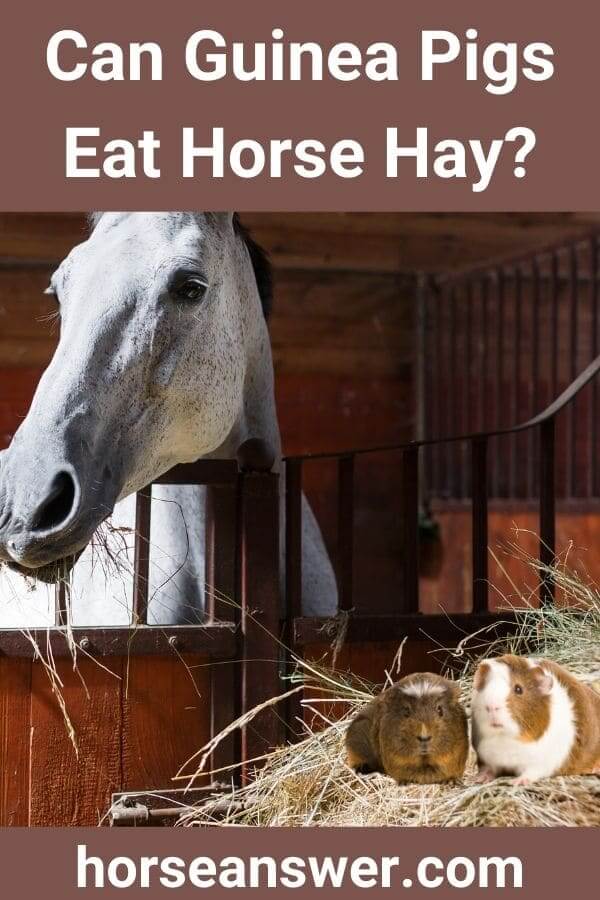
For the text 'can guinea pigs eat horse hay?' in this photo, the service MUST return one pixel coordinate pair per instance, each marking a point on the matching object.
(415, 731)
(532, 719)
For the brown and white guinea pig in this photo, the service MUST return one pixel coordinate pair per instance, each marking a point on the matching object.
(532, 719)
(415, 731)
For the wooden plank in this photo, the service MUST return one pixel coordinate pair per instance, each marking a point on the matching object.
(28, 335)
(261, 608)
(406, 242)
(216, 641)
(166, 718)
(69, 788)
(358, 241)
(221, 588)
(47, 236)
(447, 585)
(440, 629)
(15, 733)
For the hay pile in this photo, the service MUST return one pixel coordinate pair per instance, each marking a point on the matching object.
(309, 783)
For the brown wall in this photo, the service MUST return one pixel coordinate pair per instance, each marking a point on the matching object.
(135, 723)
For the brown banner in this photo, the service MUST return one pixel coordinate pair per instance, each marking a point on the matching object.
(554, 862)
(560, 171)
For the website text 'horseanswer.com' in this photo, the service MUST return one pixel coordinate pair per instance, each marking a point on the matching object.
(295, 872)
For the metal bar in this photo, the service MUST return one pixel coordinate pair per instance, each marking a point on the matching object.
(293, 537)
(555, 307)
(410, 518)
(61, 602)
(424, 383)
(141, 560)
(574, 345)
(480, 525)
(484, 367)
(214, 641)
(516, 392)
(421, 375)
(293, 584)
(593, 484)
(499, 398)
(141, 808)
(535, 374)
(468, 419)
(346, 533)
(435, 427)
(442, 486)
(452, 402)
(220, 549)
(547, 507)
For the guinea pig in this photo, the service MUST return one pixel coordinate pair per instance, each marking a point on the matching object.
(415, 731)
(532, 719)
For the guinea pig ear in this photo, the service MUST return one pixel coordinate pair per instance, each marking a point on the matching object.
(543, 680)
(481, 674)
(453, 689)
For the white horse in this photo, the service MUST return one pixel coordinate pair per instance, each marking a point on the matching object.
(163, 358)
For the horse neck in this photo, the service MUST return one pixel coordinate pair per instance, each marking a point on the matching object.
(258, 415)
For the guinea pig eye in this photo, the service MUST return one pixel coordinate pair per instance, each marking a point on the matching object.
(518, 689)
(440, 712)
(190, 289)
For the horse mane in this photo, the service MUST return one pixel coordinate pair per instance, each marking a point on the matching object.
(259, 258)
(261, 265)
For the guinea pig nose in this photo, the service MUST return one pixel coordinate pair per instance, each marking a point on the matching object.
(424, 738)
(492, 708)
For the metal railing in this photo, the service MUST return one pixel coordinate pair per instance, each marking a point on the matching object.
(408, 620)
(497, 343)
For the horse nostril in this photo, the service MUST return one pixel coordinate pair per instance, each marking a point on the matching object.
(56, 508)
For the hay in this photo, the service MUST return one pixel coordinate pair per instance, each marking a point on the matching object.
(309, 783)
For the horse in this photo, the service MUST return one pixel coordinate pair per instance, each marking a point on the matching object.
(163, 358)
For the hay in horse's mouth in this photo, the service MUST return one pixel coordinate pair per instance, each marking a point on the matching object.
(51, 573)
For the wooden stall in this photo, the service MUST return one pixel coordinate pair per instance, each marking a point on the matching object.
(346, 339)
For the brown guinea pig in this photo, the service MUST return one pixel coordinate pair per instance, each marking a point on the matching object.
(415, 731)
(533, 719)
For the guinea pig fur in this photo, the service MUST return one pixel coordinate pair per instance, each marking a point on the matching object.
(532, 719)
(415, 731)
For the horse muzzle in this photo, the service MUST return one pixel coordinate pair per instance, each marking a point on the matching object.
(45, 525)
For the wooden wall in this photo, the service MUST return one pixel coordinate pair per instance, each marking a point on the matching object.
(135, 723)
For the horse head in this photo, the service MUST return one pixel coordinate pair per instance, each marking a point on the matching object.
(161, 330)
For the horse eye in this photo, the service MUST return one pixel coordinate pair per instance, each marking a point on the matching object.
(518, 689)
(191, 290)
